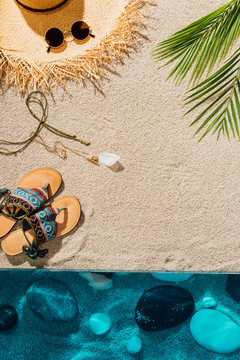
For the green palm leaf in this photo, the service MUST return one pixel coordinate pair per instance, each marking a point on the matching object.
(200, 45)
(221, 93)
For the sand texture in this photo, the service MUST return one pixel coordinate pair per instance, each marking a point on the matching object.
(32, 338)
(174, 204)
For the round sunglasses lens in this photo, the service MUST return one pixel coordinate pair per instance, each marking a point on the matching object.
(80, 30)
(54, 37)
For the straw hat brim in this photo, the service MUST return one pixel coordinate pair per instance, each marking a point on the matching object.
(24, 60)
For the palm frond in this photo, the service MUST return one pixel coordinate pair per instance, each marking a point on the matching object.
(200, 45)
(222, 92)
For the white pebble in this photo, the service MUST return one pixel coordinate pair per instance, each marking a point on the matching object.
(134, 345)
(209, 302)
(99, 323)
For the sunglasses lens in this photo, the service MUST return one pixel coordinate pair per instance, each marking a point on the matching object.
(80, 30)
(54, 37)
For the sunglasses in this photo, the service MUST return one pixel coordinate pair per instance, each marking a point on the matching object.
(79, 30)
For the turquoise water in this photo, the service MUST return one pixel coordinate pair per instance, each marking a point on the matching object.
(53, 318)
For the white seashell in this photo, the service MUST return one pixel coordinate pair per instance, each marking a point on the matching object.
(97, 281)
(108, 159)
(100, 282)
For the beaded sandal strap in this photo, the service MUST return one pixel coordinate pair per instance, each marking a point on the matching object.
(44, 228)
(26, 201)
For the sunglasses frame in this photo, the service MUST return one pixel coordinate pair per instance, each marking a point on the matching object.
(68, 32)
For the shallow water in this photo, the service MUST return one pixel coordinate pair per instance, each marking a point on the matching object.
(35, 339)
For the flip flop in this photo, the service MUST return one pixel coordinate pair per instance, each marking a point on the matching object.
(53, 221)
(31, 192)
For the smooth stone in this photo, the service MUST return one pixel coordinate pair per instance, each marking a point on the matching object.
(215, 331)
(51, 300)
(163, 307)
(209, 302)
(8, 317)
(233, 286)
(134, 345)
(100, 323)
(171, 277)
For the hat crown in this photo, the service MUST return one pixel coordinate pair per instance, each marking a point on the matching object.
(41, 5)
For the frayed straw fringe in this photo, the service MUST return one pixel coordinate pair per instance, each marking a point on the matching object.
(93, 65)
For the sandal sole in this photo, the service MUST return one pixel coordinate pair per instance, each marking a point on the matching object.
(66, 221)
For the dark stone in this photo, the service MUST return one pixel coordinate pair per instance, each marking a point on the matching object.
(51, 300)
(233, 286)
(8, 317)
(163, 307)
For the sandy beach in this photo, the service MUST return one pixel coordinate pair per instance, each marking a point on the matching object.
(173, 204)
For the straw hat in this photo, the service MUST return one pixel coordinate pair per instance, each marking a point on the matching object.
(24, 60)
